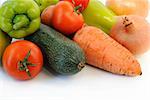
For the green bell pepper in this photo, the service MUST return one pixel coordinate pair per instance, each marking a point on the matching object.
(96, 14)
(19, 18)
(45, 3)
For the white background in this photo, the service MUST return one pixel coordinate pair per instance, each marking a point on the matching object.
(89, 84)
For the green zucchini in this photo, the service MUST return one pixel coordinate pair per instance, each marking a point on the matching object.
(60, 53)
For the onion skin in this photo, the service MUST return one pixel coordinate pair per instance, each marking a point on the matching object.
(129, 7)
(134, 34)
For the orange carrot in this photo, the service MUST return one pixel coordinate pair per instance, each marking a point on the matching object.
(103, 52)
(46, 16)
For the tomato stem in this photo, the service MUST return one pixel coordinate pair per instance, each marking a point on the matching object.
(23, 65)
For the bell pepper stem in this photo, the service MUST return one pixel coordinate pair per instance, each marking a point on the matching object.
(76, 9)
(20, 21)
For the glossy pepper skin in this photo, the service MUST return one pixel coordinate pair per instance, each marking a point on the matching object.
(66, 18)
(19, 18)
(45, 3)
(96, 14)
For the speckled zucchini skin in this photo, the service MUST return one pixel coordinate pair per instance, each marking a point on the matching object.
(61, 54)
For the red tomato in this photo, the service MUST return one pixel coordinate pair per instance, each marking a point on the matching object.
(82, 3)
(66, 19)
(22, 60)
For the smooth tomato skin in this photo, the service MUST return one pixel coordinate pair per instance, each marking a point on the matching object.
(16, 52)
(65, 19)
(83, 3)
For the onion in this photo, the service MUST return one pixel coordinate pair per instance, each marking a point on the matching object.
(129, 7)
(133, 32)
